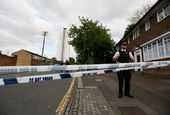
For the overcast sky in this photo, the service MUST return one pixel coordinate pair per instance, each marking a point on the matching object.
(22, 21)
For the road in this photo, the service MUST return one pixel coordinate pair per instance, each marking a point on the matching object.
(40, 98)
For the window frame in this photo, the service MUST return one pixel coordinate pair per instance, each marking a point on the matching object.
(128, 39)
(162, 11)
(160, 48)
(167, 39)
(136, 34)
(147, 25)
(155, 48)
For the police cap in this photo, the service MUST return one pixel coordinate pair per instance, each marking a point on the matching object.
(123, 43)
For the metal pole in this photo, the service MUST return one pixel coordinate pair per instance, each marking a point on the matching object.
(44, 34)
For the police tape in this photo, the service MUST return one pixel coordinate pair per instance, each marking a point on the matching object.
(15, 69)
(39, 78)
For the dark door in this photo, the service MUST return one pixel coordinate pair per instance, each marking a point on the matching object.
(138, 60)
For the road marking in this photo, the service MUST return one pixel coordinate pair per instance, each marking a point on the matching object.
(60, 108)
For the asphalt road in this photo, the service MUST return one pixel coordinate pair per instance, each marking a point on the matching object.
(40, 98)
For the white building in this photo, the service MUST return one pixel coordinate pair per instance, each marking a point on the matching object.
(63, 49)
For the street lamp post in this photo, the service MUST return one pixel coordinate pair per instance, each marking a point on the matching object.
(44, 34)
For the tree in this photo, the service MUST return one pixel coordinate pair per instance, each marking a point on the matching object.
(139, 13)
(128, 28)
(91, 41)
(71, 60)
(67, 62)
(54, 61)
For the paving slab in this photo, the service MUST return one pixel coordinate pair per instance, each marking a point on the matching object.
(97, 95)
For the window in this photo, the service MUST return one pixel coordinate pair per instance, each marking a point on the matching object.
(147, 25)
(163, 13)
(36, 57)
(155, 52)
(167, 10)
(128, 40)
(167, 46)
(150, 51)
(145, 53)
(33, 56)
(160, 15)
(161, 49)
(136, 34)
(39, 57)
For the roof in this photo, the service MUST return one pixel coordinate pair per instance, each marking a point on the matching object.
(31, 53)
(6, 55)
(147, 13)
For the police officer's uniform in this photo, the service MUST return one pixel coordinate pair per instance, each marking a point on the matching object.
(126, 74)
(124, 57)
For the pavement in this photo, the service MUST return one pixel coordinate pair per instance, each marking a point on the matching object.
(90, 95)
(97, 95)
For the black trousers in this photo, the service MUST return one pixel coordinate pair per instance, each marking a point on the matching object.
(126, 74)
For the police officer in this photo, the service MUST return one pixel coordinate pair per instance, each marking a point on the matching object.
(124, 56)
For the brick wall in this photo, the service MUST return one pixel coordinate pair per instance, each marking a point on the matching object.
(7, 60)
(23, 58)
(161, 71)
(155, 30)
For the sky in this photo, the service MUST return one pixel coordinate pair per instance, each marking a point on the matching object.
(23, 21)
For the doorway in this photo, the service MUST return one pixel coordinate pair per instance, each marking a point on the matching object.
(138, 57)
(138, 60)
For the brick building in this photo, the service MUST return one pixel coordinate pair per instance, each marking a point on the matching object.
(27, 58)
(7, 60)
(149, 39)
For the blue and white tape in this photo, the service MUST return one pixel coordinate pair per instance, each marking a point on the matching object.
(15, 69)
(39, 78)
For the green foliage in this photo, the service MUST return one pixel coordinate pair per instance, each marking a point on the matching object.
(91, 41)
(67, 62)
(54, 61)
(128, 28)
(137, 15)
(71, 60)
